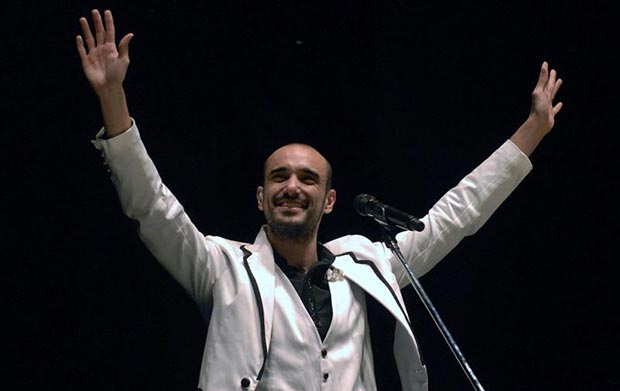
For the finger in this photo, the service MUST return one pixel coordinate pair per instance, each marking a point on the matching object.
(88, 36)
(551, 81)
(557, 108)
(80, 47)
(123, 46)
(542, 77)
(99, 31)
(556, 87)
(109, 27)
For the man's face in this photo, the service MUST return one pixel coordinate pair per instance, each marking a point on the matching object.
(295, 195)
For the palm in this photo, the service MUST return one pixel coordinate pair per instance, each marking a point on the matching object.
(104, 64)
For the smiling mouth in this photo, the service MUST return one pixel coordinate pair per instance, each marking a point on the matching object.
(290, 204)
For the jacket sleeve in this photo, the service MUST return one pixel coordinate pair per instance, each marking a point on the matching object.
(462, 210)
(164, 227)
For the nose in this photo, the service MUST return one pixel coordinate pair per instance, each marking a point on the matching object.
(292, 186)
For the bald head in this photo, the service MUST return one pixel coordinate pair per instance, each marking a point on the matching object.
(303, 154)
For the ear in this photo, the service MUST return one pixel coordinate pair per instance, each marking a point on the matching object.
(259, 198)
(330, 200)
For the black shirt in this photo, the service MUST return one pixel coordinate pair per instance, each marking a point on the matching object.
(312, 287)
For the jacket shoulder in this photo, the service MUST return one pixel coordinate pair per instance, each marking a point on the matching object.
(226, 245)
(361, 247)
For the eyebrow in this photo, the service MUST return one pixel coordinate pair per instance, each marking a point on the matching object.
(308, 171)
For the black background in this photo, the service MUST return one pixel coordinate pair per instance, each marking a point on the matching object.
(404, 98)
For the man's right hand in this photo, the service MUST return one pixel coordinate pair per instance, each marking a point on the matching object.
(105, 67)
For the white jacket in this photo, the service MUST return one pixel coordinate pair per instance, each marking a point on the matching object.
(233, 282)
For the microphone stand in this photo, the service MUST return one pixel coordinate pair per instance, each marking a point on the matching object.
(389, 238)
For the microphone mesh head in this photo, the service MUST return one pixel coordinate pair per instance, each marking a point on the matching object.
(360, 203)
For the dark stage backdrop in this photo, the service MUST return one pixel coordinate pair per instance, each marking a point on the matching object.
(403, 97)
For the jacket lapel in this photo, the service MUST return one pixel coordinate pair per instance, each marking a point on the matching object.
(373, 283)
(262, 266)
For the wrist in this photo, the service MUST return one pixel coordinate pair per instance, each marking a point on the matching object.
(114, 110)
(534, 125)
(110, 92)
(529, 135)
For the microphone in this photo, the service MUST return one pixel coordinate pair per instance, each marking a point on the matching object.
(367, 205)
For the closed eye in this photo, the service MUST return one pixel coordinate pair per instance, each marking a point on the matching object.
(309, 181)
(279, 174)
(309, 176)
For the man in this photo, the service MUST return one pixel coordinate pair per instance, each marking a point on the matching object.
(287, 313)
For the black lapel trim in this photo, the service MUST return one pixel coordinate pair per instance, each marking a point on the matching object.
(387, 285)
(261, 310)
(383, 280)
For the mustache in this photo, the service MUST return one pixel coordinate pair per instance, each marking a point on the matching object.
(290, 197)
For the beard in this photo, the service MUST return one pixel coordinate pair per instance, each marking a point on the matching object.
(295, 231)
(299, 231)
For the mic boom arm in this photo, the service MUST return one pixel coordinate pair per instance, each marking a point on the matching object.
(390, 220)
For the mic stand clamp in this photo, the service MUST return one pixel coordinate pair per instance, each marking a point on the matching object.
(389, 238)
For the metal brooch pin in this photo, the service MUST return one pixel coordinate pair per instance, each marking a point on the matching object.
(333, 274)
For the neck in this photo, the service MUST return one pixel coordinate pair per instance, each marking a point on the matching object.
(299, 253)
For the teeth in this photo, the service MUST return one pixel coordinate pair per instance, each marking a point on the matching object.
(291, 205)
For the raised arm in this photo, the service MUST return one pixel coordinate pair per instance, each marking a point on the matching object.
(164, 227)
(105, 66)
(542, 114)
(467, 206)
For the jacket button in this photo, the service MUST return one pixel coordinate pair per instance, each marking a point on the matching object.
(324, 353)
(325, 376)
(245, 383)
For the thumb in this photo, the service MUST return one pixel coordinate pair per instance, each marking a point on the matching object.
(123, 46)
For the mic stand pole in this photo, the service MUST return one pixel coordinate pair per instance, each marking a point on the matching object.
(389, 237)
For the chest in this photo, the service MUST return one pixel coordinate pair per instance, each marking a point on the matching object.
(298, 358)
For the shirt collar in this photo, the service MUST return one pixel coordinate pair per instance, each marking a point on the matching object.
(325, 259)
